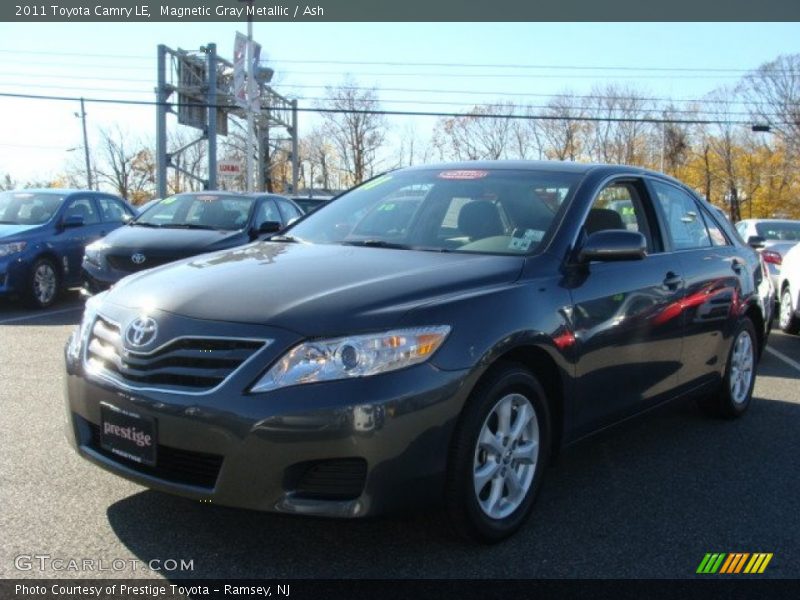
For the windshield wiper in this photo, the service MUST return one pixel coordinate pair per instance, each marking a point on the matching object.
(186, 226)
(376, 244)
(8, 223)
(285, 238)
(143, 224)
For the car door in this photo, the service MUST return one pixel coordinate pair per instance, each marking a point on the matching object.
(73, 240)
(626, 326)
(713, 274)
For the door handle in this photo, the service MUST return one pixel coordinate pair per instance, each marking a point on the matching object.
(672, 281)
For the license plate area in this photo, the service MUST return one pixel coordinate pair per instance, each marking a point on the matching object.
(128, 434)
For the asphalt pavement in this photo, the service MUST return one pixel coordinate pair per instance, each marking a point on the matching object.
(646, 499)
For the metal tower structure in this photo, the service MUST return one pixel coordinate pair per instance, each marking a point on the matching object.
(197, 87)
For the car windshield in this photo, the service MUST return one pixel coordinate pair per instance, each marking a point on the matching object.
(198, 211)
(779, 230)
(28, 208)
(505, 211)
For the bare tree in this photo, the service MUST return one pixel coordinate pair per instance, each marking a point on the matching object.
(772, 93)
(7, 183)
(724, 140)
(622, 138)
(356, 133)
(124, 165)
(485, 132)
(563, 130)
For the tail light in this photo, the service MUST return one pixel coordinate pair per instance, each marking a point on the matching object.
(772, 257)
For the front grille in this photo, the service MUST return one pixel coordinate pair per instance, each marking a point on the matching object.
(184, 364)
(172, 464)
(124, 263)
(333, 479)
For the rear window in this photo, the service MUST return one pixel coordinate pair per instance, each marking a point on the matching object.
(776, 230)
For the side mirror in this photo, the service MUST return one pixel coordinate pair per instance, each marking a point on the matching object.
(756, 241)
(269, 227)
(72, 221)
(613, 245)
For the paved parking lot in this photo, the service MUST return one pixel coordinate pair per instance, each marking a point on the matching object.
(646, 499)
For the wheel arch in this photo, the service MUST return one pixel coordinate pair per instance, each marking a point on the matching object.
(541, 363)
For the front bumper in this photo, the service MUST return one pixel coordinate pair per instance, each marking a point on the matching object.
(14, 274)
(95, 280)
(343, 449)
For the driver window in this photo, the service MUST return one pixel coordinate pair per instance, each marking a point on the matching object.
(82, 207)
(618, 206)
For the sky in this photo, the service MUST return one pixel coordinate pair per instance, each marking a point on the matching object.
(413, 65)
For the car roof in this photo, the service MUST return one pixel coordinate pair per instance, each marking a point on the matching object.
(54, 191)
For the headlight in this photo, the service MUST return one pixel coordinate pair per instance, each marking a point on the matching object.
(12, 248)
(354, 356)
(94, 252)
(80, 336)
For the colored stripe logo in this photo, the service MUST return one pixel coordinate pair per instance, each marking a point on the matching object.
(734, 563)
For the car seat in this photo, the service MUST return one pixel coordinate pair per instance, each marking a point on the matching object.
(480, 219)
(600, 219)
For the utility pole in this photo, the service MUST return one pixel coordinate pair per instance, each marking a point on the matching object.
(162, 95)
(250, 98)
(86, 146)
(211, 129)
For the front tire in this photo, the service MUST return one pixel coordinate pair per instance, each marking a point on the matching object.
(736, 393)
(499, 452)
(787, 320)
(44, 284)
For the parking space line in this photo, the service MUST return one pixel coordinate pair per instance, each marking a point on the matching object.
(40, 315)
(781, 356)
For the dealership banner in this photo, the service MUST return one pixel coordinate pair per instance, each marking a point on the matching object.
(374, 589)
(407, 10)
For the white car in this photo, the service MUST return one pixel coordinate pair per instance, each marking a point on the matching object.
(789, 291)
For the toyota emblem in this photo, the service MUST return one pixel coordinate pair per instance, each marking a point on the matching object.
(138, 258)
(141, 331)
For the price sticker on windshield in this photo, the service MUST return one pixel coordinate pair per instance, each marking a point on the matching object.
(463, 174)
(207, 198)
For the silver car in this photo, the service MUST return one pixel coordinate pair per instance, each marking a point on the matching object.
(779, 236)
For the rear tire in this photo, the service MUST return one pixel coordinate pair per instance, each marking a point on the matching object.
(499, 452)
(44, 284)
(736, 393)
(787, 320)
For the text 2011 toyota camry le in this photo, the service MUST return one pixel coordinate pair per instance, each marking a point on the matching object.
(431, 337)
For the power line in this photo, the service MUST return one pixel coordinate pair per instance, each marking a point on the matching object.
(652, 120)
(426, 64)
(518, 66)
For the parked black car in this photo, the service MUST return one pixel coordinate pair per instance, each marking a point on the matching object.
(180, 226)
(432, 337)
(43, 233)
(309, 204)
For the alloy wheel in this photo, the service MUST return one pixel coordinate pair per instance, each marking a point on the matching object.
(44, 283)
(742, 361)
(506, 455)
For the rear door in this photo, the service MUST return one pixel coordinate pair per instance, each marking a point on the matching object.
(627, 328)
(713, 272)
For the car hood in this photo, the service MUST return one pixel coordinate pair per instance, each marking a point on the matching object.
(178, 241)
(313, 290)
(8, 230)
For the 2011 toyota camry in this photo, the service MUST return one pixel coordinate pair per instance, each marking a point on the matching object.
(429, 338)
